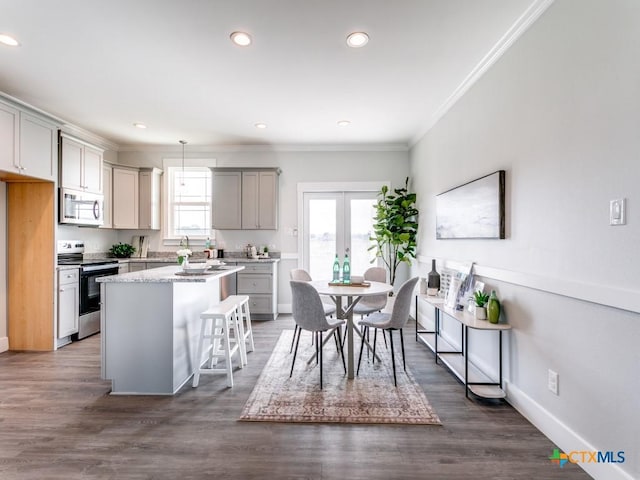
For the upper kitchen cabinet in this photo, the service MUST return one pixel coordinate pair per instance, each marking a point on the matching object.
(125, 200)
(149, 201)
(107, 189)
(259, 200)
(245, 199)
(81, 165)
(27, 144)
(227, 200)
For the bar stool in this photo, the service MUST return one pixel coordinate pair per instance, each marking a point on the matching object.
(244, 319)
(222, 343)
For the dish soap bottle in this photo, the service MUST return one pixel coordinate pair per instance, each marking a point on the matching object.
(346, 268)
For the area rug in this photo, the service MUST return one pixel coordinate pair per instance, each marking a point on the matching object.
(369, 398)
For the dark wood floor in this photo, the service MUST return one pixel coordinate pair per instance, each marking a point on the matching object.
(58, 421)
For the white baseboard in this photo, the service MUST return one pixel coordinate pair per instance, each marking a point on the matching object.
(4, 344)
(561, 434)
(284, 308)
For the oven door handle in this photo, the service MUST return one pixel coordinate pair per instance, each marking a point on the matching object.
(98, 268)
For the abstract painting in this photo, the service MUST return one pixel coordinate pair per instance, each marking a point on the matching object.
(472, 210)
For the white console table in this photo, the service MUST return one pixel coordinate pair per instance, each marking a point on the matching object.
(457, 361)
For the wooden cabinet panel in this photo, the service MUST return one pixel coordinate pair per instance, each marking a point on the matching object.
(149, 215)
(92, 170)
(268, 201)
(250, 205)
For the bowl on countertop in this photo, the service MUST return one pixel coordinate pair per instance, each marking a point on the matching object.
(195, 268)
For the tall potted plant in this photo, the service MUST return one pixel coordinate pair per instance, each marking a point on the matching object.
(395, 228)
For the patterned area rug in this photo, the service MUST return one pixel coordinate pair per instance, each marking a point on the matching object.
(369, 398)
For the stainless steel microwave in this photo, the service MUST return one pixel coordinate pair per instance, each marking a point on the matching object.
(81, 208)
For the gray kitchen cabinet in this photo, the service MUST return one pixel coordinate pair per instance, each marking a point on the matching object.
(245, 199)
(227, 200)
(68, 301)
(123, 267)
(107, 189)
(149, 202)
(259, 200)
(125, 198)
(80, 165)
(137, 266)
(159, 264)
(259, 281)
(28, 144)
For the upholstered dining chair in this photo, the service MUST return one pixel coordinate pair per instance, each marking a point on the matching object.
(396, 320)
(301, 275)
(374, 303)
(308, 314)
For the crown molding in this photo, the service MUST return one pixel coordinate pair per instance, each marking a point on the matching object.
(91, 138)
(384, 147)
(521, 25)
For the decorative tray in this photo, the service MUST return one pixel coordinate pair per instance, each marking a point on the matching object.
(340, 284)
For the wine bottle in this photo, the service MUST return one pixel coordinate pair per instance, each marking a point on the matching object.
(336, 269)
(346, 268)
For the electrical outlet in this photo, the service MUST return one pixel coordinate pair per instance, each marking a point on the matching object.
(552, 382)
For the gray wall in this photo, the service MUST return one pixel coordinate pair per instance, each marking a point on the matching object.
(559, 113)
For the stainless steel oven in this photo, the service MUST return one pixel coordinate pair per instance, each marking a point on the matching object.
(71, 252)
(89, 322)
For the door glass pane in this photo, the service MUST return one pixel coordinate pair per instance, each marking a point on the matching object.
(362, 213)
(322, 237)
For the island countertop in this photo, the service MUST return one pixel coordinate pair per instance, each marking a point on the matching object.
(169, 274)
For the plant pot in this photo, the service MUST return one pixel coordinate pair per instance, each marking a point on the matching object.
(481, 313)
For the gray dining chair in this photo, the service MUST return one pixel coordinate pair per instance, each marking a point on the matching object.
(396, 320)
(308, 314)
(301, 275)
(374, 303)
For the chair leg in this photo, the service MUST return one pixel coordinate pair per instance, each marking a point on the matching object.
(375, 340)
(404, 364)
(293, 340)
(360, 356)
(340, 349)
(384, 337)
(319, 343)
(393, 358)
(295, 352)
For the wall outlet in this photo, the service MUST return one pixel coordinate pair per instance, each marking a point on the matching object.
(552, 382)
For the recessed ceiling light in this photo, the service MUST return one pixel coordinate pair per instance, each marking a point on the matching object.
(260, 125)
(139, 125)
(357, 39)
(344, 123)
(8, 40)
(241, 38)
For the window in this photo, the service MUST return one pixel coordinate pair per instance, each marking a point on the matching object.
(188, 202)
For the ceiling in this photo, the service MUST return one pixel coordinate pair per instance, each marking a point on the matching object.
(104, 65)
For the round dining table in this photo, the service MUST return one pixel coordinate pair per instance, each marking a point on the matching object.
(344, 309)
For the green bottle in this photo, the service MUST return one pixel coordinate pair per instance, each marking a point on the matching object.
(493, 308)
(346, 268)
(336, 269)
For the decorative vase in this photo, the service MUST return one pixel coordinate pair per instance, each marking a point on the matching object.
(184, 262)
(493, 308)
(433, 280)
(481, 313)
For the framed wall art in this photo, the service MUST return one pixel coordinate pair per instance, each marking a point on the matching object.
(472, 210)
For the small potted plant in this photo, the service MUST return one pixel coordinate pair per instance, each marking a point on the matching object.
(481, 300)
(122, 250)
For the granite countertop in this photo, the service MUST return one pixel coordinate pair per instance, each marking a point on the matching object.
(169, 274)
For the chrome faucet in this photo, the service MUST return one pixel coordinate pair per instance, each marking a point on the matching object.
(184, 241)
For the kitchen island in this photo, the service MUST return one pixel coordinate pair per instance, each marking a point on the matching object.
(150, 323)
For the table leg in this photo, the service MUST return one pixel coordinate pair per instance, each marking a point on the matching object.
(349, 319)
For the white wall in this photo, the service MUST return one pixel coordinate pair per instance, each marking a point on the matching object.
(297, 166)
(559, 113)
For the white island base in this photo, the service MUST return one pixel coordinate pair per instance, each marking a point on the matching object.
(150, 327)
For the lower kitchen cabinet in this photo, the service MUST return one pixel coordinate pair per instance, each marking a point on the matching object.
(68, 301)
(259, 281)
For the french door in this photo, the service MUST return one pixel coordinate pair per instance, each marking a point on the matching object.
(332, 223)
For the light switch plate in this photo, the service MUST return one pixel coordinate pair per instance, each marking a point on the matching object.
(617, 212)
(552, 382)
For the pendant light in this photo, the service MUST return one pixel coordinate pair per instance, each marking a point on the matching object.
(183, 142)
